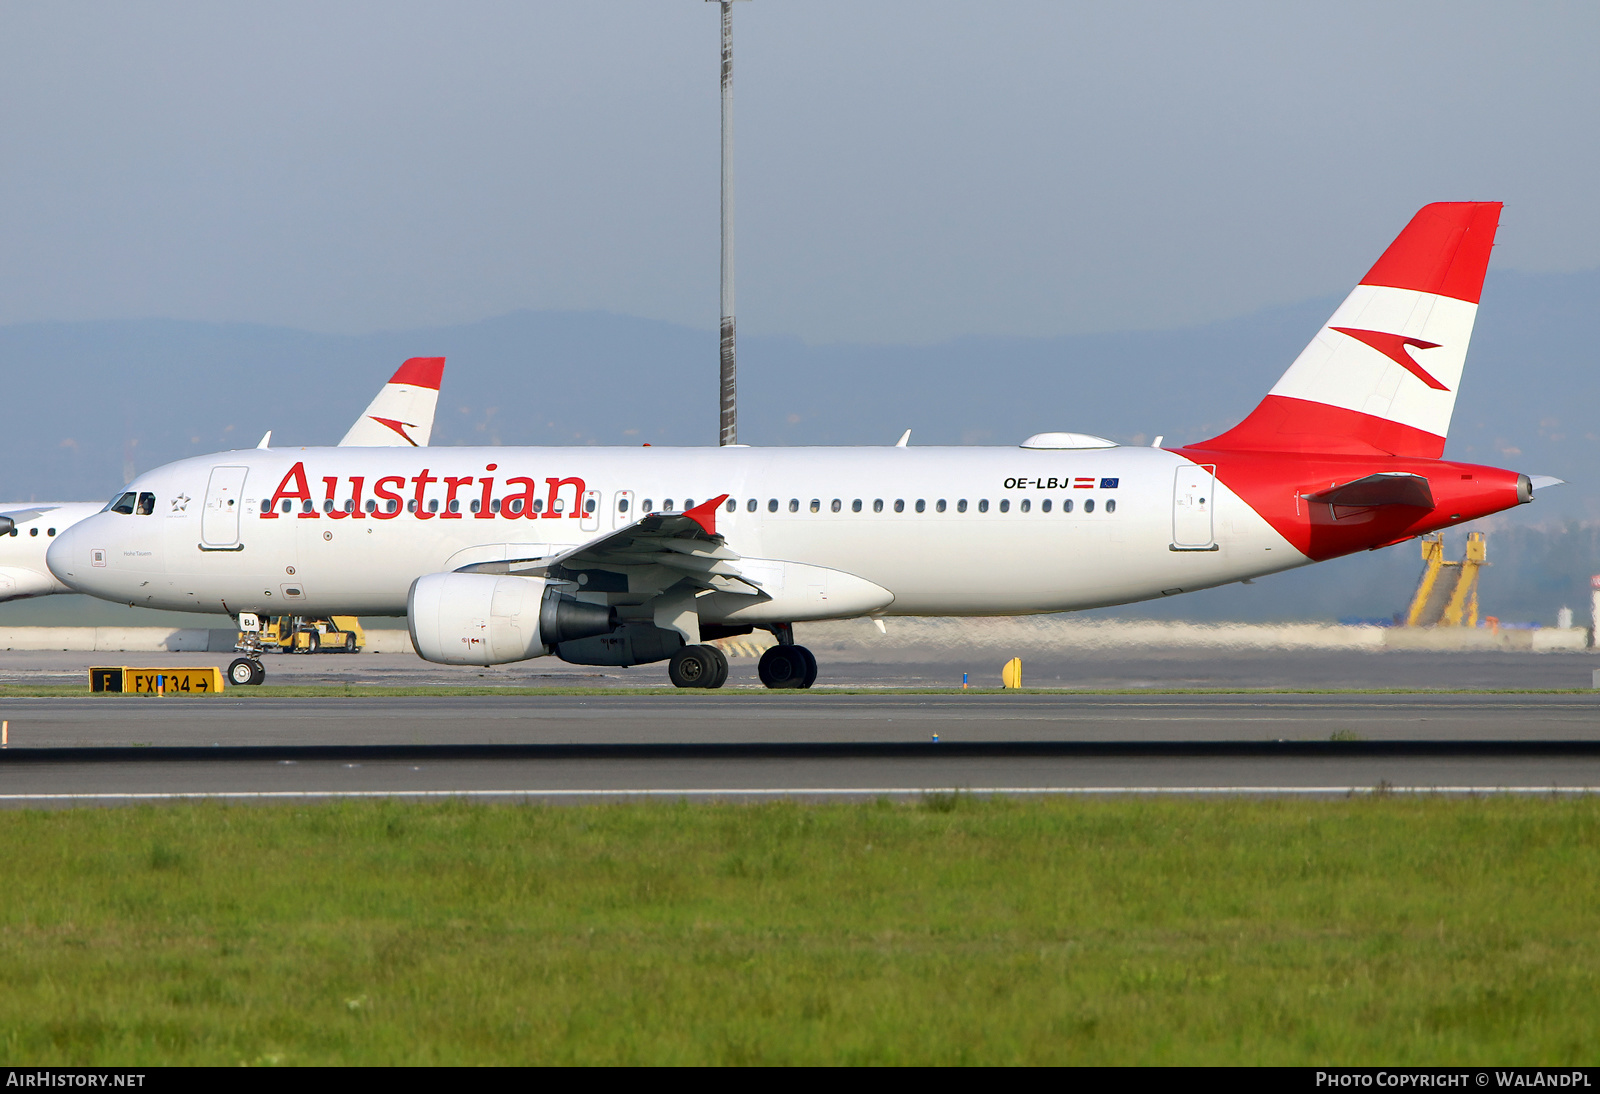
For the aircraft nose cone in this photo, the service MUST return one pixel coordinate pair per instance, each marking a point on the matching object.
(71, 558)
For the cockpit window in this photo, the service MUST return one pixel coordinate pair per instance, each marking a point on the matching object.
(147, 503)
(123, 503)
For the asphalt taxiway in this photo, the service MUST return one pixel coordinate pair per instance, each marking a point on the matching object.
(66, 751)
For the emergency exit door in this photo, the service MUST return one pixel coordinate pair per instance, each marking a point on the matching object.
(219, 521)
(1192, 506)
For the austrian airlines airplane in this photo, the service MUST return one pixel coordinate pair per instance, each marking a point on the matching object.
(402, 414)
(627, 556)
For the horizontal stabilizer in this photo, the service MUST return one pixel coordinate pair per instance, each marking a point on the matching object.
(1386, 488)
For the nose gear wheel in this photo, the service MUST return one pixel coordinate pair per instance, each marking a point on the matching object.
(243, 671)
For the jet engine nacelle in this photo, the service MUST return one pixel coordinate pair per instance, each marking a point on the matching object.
(493, 619)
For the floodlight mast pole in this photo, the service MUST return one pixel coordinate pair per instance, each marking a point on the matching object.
(729, 387)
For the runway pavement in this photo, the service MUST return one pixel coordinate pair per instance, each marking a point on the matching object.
(860, 666)
(759, 743)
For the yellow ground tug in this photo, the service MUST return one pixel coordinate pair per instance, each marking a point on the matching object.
(298, 634)
(1447, 593)
(289, 634)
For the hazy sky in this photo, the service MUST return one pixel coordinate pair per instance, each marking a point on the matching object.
(907, 171)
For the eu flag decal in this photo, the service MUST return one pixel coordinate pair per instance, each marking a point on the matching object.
(1108, 484)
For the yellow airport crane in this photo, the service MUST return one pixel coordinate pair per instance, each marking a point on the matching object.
(1447, 593)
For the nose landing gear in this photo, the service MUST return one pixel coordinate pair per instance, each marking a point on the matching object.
(242, 671)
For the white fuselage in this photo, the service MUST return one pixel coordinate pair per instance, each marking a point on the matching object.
(23, 569)
(945, 531)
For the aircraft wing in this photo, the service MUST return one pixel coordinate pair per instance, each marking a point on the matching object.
(402, 414)
(685, 544)
(1384, 488)
(23, 516)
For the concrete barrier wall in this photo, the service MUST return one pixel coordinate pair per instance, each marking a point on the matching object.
(1041, 632)
(154, 639)
(1055, 632)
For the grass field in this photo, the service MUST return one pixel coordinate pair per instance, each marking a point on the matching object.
(1384, 929)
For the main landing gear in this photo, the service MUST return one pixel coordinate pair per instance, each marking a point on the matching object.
(787, 665)
(244, 670)
(698, 667)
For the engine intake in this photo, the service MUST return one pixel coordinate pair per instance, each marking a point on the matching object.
(493, 619)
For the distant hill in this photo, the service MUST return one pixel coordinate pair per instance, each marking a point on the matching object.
(85, 401)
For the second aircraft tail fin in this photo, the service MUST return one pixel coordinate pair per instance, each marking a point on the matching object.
(402, 414)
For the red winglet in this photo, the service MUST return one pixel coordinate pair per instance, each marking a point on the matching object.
(420, 372)
(705, 514)
(1444, 250)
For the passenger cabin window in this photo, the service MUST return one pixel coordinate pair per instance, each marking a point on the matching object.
(855, 506)
(622, 505)
(455, 505)
(688, 504)
(732, 506)
(1005, 505)
(494, 506)
(33, 531)
(794, 505)
(371, 506)
(1066, 506)
(477, 506)
(308, 506)
(1088, 505)
(750, 506)
(588, 506)
(899, 505)
(1111, 505)
(1026, 505)
(124, 504)
(939, 505)
(772, 505)
(921, 505)
(1044, 506)
(877, 505)
(666, 505)
(961, 506)
(350, 505)
(49, 531)
(837, 505)
(816, 505)
(411, 506)
(147, 504)
(983, 505)
(327, 506)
